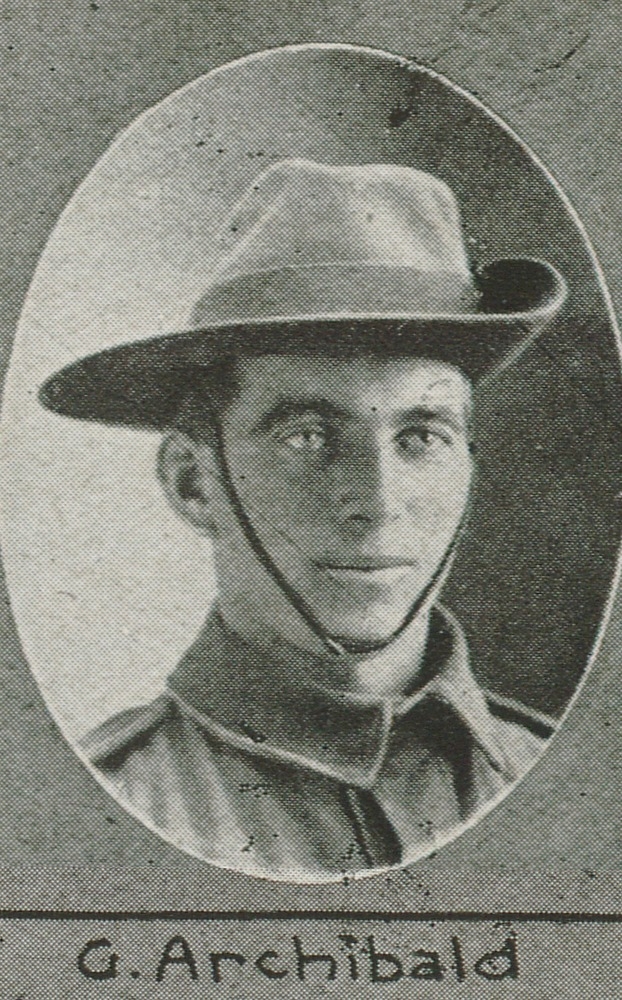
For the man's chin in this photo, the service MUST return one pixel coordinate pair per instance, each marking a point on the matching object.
(362, 635)
(366, 618)
(363, 645)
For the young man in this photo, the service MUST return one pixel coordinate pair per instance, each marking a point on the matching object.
(317, 428)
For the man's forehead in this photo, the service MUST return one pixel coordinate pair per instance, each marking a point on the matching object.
(397, 382)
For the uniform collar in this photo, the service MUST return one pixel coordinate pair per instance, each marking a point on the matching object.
(272, 704)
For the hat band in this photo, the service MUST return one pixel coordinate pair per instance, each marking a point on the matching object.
(336, 290)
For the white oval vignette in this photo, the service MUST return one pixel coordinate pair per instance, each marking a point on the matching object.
(107, 587)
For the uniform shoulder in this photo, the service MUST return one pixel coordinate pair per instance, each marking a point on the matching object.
(109, 742)
(513, 711)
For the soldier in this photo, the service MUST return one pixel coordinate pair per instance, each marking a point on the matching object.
(316, 421)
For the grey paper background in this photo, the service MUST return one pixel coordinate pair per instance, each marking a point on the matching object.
(72, 76)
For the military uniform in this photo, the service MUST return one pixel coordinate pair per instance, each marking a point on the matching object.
(257, 767)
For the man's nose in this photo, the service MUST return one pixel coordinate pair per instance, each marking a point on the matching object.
(368, 486)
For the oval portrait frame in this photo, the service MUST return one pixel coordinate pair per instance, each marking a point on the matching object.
(99, 570)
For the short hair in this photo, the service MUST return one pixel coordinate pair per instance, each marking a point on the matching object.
(210, 390)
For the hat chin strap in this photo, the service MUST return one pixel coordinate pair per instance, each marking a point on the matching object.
(336, 646)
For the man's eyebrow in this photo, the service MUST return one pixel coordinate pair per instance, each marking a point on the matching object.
(456, 417)
(297, 406)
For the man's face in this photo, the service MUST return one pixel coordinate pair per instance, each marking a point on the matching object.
(355, 475)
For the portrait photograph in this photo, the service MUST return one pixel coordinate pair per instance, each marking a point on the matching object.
(311, 485)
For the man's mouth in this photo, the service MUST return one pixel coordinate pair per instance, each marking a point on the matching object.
(384, 572)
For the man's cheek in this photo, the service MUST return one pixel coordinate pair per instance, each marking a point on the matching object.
(285, 498)
(264, 483)
(438, 508)
(445, 497)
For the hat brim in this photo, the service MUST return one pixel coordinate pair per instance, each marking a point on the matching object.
(141, 384)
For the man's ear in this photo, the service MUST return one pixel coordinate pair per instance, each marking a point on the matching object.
(188, 476)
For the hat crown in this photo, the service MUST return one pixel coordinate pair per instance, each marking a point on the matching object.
(302, 214)
(311, 240)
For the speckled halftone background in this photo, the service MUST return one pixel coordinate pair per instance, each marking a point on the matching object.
(74, 74)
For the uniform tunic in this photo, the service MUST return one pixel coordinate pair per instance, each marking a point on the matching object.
(264, 769)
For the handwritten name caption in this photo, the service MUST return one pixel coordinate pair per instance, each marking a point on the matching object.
(351, 959)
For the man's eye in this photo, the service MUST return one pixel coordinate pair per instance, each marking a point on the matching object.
(423, 441)
(308, 440)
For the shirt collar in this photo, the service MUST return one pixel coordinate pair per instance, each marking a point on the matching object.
(274, 705)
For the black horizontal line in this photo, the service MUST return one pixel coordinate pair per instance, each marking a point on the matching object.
(379, 916)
